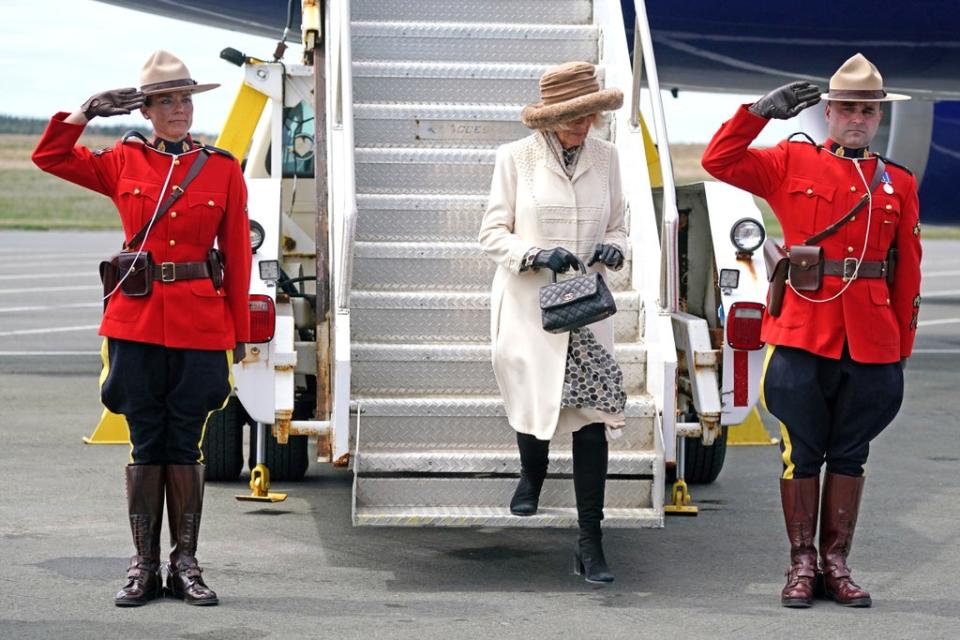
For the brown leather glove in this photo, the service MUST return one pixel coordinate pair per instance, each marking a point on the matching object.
(112, 103)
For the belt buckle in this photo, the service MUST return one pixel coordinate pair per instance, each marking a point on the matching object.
(850, 269)
(165, 275)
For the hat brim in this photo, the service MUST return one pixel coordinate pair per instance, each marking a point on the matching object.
(541, 116)
(189, 88)
(890, 97)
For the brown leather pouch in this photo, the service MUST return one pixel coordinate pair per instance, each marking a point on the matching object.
(775, 259)
(806, 267)
(135, 273)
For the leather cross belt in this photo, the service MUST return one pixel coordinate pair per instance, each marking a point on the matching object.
(847, 267)
(173, 271)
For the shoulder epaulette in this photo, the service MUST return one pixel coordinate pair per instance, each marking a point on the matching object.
(896, 164)
(135, 134)
(808, 140)
(213, 149)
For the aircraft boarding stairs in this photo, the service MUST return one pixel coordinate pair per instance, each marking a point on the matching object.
(437, 87)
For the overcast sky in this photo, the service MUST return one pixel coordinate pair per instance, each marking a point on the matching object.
(54, 54)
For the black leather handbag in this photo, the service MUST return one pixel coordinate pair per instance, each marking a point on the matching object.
(577, 302)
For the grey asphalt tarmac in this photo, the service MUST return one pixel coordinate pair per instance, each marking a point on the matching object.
(299, 570)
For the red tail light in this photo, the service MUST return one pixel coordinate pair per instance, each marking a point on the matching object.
(263, 317)
(743, 325)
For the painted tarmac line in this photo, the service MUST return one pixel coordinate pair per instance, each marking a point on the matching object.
(83, 287)
(933, 323)
(78, 305)
(34, 276)
(939, 294)
(25, 332)
(47, 353)
(940, 274)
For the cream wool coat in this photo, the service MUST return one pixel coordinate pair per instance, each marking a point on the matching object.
(533, 204)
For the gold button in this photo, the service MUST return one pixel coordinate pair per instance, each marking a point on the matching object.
(173, 243)
(136, 191)
(176, 162)
(849, 249)
(889, 207)
(888, 300)
(853, 188)
(174, 187)
(809, 192)
(173, 214)
(210, 203)
(853, 218)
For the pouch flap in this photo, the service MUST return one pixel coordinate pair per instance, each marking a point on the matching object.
(803, 258)
(773, 256)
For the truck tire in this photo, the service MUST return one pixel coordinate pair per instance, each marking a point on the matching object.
(223, 442)
(703, 464)
(287, 462)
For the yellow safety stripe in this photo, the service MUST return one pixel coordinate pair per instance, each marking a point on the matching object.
(784, 434)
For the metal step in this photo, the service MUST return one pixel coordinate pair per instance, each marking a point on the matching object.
(386, 461)
(433, 491)
(406, 170)
(500, 517)
(470, 126)
(410, 369)
(446, 82)
(473, 423)
(454, 316)
(451, 266)
(543, 44)
(419, 217)
(541, 11)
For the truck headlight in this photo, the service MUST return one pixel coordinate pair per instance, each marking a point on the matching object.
(256, 235)
(747, 235)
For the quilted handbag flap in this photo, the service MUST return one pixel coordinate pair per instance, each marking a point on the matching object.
(569, 291)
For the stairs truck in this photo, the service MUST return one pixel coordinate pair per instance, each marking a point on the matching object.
(368, 169)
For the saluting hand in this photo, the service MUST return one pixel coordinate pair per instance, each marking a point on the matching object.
(787, 101)
(112, 103)
(608, 254)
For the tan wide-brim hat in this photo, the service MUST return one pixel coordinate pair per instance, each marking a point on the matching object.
(568, 92)
(857, 80)
(166, 73)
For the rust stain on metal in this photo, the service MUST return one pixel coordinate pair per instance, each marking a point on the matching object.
(342, 461)
(281, 426)
(747, 262)
(324, 447)
(284, 367)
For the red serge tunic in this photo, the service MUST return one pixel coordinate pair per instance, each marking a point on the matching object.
(189, 314)
(809, 188)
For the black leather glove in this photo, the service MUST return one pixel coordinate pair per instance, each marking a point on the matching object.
(608, 255)
(112, 103)
(557, 259)
(787, 101)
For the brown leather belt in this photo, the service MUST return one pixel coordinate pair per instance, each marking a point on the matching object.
(847, 267)
(173, 271)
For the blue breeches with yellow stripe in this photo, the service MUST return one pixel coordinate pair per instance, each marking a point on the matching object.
(166, 395)
(829, 410)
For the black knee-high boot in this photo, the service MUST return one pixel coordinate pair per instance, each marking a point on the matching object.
(534, 457)
(589, 482)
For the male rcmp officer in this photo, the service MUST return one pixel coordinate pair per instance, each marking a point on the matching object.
(169, 343)
(833, 374)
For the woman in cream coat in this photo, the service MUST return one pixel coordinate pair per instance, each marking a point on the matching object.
(556, 196)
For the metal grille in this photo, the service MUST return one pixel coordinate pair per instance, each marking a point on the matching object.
(540, 11)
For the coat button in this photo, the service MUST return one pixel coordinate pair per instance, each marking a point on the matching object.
(210, 203)
(889, 207)
(175, 187)
(173, 214)
(173, 243)
(853, 187)
(136, 191)
(809, 192)
(853, 218)
(176, 162)
(888, 300)
(849, 249)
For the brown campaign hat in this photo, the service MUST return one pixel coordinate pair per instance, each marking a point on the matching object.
(857, 80)
(165, 73)
(568, 92)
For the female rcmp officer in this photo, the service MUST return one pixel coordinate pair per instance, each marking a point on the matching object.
(169, 350)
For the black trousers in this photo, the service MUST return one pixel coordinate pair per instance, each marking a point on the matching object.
(166, 396)
(829, 410)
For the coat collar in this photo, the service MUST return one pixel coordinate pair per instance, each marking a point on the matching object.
(550, 161)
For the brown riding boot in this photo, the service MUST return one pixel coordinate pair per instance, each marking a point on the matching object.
(838, 520)
(184, 506)
(145, 506)
(799, 499)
